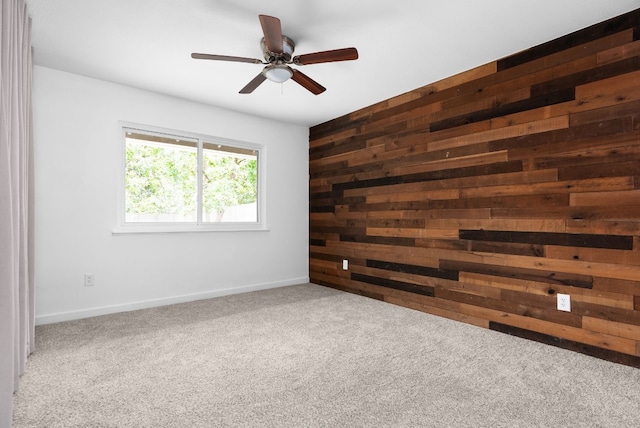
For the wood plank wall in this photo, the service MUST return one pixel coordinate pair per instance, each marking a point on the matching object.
(482, 196)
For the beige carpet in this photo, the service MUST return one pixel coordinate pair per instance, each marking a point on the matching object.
(310, 356)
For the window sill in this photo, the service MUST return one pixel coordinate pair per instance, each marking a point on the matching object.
(186, 228)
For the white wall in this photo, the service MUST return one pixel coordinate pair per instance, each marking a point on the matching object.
(77, 153)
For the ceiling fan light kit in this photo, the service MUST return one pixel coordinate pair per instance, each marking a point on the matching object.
(277, 51)
(277, 73)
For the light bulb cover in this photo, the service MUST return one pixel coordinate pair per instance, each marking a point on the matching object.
(278, 73)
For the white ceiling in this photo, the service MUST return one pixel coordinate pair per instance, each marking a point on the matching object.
(403, 44)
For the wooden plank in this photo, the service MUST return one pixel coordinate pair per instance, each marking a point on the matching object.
(410, 117)
(508, 202)
(455, 214)
(612, 328)
(385, 206)
(538, 100)
(361, 238)
(465, 77)
(525, 78)
(380, 153)
(479, 101)
(618, 53)
(615, 285)
(525, 117)
(343, 213)
(546, 290)
(551, 141)
(393, 284)
(523, 177)
(561, 83)
(604, 299)
(393, 213)
(459, 131)
(413, 233)
(621, 197)
(429, 94)
(546, 188)
(543, 308)
(572, 345)
(414, 270)
(394, 141)
(550, 225)
(549, 62)
(334, 126)
(325, 264)
(525, 273)
(549, 301)
(610, 227)
(438, 311)
(611, 214)
(340, 154)
(551, 238)
(454, 163)
(533, 250)
(346, 284)
(514, 131)
(609, 92)
(594, 151)
(399, 276)
(571, 267)
(589, 168)
(580, 335)
(390, 253)
(413, 196)
(508, 283)
(594, 255)
(629, 109)
(419, 155)
(322, 217)
(318, 256)
(624, 316)
(389, 222)
(574, 40)
(361, 180)
(386, 292)
(331, 139)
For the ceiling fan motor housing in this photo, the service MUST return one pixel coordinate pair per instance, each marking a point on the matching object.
(287, 51)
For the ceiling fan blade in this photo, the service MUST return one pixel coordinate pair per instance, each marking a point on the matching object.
(307, 82)
(346, 54)
(272, 33)
(225, 58)
(251, 86)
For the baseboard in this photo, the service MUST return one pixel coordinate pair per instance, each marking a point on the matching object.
(132, 306)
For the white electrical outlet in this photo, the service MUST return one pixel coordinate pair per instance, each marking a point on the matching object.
(89, 280)
(345, 264)
(564, 302)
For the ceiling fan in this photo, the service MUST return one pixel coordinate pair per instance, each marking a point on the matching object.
(277, 50)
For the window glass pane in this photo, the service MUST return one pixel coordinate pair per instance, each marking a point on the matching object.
(185, 182)
(160, 179)
(229, 184)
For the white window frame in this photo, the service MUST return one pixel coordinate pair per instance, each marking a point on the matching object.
(123, 227)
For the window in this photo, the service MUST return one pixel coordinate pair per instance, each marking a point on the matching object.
(178, 181)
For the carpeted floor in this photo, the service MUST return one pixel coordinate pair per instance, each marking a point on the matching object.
(310, 356)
